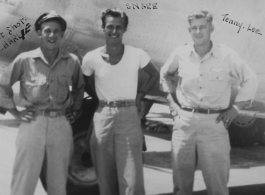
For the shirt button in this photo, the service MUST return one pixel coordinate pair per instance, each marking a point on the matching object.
(51, 81)
(201, 100)
(200, 87)
(201, 75)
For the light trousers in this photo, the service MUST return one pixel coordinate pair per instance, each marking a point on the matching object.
(198, 140)
(50, 137)
(116, 148)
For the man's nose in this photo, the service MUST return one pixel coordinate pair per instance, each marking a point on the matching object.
(51, 34)
(198, 30)
(114, 30)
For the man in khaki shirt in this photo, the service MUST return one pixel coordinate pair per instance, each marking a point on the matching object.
(201, 98)
(45, 75)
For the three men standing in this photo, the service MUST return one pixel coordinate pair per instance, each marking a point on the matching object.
(116, 141)
(201, 99)
(45, 75)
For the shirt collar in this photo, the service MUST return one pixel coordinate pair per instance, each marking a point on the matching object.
(37, 53)
(190, 49)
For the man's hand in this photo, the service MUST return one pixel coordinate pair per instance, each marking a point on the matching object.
(139, 98)
(27, 115)
(171, 98)
(71, 115)
(227, 116)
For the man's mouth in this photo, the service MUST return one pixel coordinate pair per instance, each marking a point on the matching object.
(114, 36)
(51, 41)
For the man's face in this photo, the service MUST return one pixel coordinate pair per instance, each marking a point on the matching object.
(114, 30)
(200, 31)
(50, 34)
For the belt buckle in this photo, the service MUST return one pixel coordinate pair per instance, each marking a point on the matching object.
(115, 104)
(52, 114)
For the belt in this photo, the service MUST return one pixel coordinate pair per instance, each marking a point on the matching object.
(117, 104)
(51, 113)
(202, 110)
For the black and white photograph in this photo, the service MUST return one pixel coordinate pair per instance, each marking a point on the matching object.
(132, 97)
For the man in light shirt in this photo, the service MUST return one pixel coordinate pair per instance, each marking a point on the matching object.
(201, 100)
(116, 141)
(45, 132)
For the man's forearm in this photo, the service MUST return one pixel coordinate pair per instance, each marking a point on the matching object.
(2, 110)
(149, 84)
(240, 105)
(89, 87)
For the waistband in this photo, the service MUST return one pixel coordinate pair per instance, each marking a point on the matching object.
(51, 113)
(117, 104)
(202, 110)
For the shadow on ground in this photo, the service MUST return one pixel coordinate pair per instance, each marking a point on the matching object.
(10, 123)
(257, 189)
(241, 158)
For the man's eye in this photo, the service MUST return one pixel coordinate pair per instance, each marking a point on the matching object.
(47, 31)
(56, 31)
(109, 27)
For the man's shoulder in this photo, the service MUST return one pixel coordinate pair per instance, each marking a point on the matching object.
(89, 56)
(71, 55)
(225, 50)
(93, 52)
(24, 56)
(28, 54)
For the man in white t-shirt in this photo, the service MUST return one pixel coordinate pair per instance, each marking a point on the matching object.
(116, 141)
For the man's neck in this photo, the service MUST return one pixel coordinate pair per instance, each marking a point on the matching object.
(114, 50)
(50, 55)
(202, 50)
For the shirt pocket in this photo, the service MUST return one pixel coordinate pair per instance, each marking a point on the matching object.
(63, 82)
(189, 78)
(216, 81)
(34, 89)
(35, 81)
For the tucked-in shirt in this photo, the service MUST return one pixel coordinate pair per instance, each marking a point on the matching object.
(43, 86)
(119, 81)
(207, 82)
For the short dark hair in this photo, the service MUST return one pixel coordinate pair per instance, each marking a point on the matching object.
(114, 13)
(197, 14)
(48, 16)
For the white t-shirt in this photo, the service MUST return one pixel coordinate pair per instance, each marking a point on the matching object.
(119, 81)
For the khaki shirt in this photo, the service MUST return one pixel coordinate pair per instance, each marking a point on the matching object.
(207, 82)
(42, 86)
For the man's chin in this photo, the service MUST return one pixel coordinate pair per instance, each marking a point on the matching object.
(115, 42)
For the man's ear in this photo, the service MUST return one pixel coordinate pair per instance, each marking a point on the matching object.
(39, 33)
(212, 28)
(189, 30)
(62, 34)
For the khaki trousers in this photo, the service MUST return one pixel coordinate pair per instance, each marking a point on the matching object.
(50, 137)
(198, 140)
(116, 148)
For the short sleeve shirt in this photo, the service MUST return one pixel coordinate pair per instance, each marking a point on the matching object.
(119, 81)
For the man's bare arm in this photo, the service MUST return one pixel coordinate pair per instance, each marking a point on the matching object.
(153, 78)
